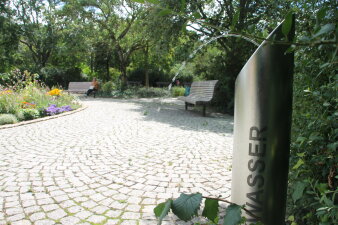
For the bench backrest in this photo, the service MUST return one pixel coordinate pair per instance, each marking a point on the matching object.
(79, 86)
(204, 89)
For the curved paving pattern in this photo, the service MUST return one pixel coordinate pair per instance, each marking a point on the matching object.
(111, 163)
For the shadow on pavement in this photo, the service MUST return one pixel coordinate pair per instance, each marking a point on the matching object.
(172, 112)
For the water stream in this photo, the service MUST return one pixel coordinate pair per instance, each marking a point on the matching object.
(204, 44)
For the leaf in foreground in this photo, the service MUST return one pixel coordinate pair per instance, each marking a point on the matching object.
(232, 215)
(287, 24)
(162, 210)
(186, 206)
(299, 188)
(210, 210)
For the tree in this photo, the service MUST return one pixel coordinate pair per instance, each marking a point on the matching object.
(9, 38)
(116, 21)
(39, 28)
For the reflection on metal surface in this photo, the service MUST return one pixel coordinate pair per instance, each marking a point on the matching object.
(263, 106)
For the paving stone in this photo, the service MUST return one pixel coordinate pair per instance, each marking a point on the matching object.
(113, 213)
(83, 214)
(129, 222)
(149, 201)
(123, 167)
(44, 222)
(16, 217)
(133, 208)
(37, 216)
(75, 209)
(57, 214)
(100, 209)
(22, 222)
(112, 222)
(69, 220)
(89, 204)
(13, 211)
(50, 207)
(118, 205)
(131, 215)
(148, 222)
(45, 201)
(96, 219)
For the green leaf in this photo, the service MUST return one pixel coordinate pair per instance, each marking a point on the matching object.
(324, 29)
(299, 188)
(183, 5)
(165, 12)
(291, 218)
(162, 210)
(298, 164)
(322, 187)
(186, 206)
(156, 2)
(321, 14)
(287, 24)
(197, 15)
(235, 19)
(210, 210)
(232, 215)
(139, 1)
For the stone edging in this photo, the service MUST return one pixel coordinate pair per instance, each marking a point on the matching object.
(41, 119)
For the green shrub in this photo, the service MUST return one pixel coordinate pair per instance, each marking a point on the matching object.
(177, 91)
(9, 103)
(151, 92)
(28, 114)
(108, 87)
(7, 119)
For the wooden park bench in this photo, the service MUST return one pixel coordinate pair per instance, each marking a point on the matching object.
(79, 87)
(201, 93)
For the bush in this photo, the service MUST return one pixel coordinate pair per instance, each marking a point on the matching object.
(177, 91)
(7, 119)
(152, 92)
(9, 102)
(28, 114)
(108, 87)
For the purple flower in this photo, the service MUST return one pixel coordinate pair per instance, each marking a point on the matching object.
(53, 109)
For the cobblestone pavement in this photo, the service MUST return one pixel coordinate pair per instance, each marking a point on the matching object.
(112, 163)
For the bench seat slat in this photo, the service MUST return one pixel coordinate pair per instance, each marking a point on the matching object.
(201, 93)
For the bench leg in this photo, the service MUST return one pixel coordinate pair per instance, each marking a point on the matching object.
(186, 106)
(204, 107)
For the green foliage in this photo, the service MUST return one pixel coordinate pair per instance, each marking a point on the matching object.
(186, 206)
(7, 119)
(178, 91)
(28, 99)
(233, 215)
(162, 210)
(9, 103)
(210, 210)
(28, 114)
(313, 177)
(108, 87)
(151, 92)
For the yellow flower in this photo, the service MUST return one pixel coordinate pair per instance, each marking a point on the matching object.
(55, 92)
(6, 92)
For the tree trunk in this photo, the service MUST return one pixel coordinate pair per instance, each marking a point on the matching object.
(146, 51)
(107, 78)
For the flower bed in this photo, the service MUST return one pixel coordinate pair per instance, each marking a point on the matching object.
(31, 99)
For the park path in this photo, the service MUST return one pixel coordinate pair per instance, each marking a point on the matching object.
(112, 163)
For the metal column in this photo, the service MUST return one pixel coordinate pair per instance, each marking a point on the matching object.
(263, 106)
